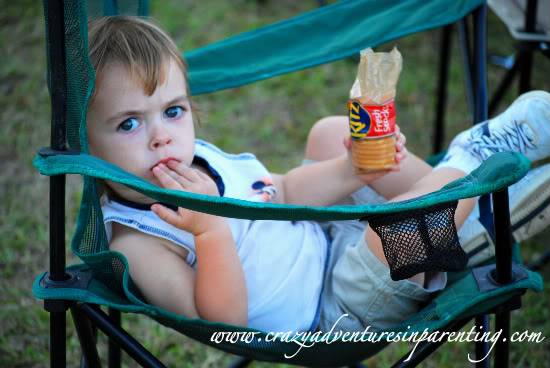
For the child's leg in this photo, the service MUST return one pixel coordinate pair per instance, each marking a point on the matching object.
(360, 283)
(325, 141)
(524, 127)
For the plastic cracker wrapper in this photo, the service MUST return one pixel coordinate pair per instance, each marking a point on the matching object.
(372, 111)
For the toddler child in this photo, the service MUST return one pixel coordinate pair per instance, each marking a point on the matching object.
(269, 275)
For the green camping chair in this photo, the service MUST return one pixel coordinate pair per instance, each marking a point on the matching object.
(103, 280)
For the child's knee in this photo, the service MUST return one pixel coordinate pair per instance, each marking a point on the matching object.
(374, 243)
(325, 139)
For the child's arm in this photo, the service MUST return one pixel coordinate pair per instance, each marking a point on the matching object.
(327, 182)
(158, 268)
(219, 287)
(318, 184)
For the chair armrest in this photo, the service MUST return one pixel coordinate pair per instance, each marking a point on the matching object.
(499, 171)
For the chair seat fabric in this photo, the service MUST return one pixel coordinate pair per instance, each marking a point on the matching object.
(112, 286)
(461, 299)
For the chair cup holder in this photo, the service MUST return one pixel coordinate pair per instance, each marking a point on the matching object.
(421, 240)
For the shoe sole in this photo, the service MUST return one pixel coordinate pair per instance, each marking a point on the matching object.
(532, 213)
(529, 216)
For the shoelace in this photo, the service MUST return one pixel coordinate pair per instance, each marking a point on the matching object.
(510, 138)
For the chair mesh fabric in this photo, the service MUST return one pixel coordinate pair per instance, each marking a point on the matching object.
(420, 241)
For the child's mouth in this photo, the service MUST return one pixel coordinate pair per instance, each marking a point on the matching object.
(164, 161)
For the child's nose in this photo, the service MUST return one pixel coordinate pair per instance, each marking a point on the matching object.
(160, 138)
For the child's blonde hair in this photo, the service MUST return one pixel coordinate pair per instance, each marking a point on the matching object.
(139, 45)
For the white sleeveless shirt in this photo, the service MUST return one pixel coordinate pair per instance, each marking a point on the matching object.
(284, 262)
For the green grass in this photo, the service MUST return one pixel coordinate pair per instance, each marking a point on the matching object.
(270, 118)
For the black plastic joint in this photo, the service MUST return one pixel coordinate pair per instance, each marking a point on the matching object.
(485, 276)
(73, 279)
(53, 305)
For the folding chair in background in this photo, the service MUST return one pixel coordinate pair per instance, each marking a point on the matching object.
(528, 22)
(103, 279)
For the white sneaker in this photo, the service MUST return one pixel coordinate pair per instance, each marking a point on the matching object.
(529, 211)
(523, 127)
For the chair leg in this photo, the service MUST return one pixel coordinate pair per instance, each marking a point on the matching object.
(503, 245)
(525, 68)
(114, 349)
(482, 347)
(526, 65)
(445, 50)
(540, 262)
(87, 338)
(504, 85)
(240, 362)
(464, 40)
(502, 347)
(83, 362)
(141, 355)
(58, 336)
(425, 348)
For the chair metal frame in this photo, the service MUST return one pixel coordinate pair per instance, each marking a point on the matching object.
(523, 58)
(88, 317)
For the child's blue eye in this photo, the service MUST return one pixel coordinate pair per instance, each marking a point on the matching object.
(174, 112)
(128, 125)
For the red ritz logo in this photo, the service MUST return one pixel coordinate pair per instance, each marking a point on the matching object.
(369, 121)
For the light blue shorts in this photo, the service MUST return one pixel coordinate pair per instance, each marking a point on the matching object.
(359, 285)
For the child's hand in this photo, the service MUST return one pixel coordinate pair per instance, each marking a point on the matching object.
(401, 150)
(400, 155)
(178, 176)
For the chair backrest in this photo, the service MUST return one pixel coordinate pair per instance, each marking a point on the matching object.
(320, 36)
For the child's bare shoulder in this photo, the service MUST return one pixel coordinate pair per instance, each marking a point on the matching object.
(126, 239)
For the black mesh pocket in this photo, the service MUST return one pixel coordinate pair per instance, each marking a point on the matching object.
(420, 240)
